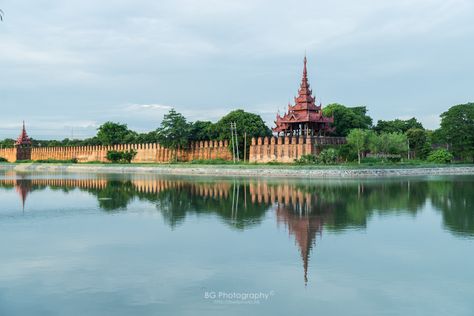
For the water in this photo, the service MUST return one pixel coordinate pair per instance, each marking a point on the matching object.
(79, 244)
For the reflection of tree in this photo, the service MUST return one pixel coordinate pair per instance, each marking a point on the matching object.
(340, 204)
(232, 206)
(305, 208)
(116, 195)
(455, 199)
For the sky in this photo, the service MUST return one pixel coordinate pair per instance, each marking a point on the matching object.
(68, 66)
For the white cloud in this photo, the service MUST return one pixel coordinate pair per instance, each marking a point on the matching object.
(148, 107)
(59, 57)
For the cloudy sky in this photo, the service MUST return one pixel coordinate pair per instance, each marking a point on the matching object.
(68, 66)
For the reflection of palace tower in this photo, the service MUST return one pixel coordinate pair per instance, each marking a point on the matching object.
(302, 213)
(304, 228)
(299, 211)
(23, 188)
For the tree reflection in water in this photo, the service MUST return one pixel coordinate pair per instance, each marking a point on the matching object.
(305, 208)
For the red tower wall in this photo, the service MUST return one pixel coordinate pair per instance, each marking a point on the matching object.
(288, 149)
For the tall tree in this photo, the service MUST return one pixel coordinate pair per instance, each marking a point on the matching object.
(419, 142)
(7, 143)
(202, 130)
(390, 143)
(249, 124)
(346, 118)
(359, 140)
(397, 125)
(173, 132)
(111, 133)
(457, 129)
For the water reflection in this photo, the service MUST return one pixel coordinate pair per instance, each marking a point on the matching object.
(304, 208)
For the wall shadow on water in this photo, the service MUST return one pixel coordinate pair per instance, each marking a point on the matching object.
(305, 208)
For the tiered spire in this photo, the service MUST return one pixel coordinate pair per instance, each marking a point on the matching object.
(304, 116)
(305, 100)
(23, 139)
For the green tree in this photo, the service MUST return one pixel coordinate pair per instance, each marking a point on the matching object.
(145, 138)
(419, 142)
(346, 119)
(457, 129)
(359, 140)
(440, 156)
(111, 133)
(397, 126)
(174, 132)
(7, 143)
(388, 143)
(247, 123)
(328, 156)
(202, 130)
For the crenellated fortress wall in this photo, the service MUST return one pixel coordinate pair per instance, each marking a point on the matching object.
(287, 149)
(146, 153)
(8, 153)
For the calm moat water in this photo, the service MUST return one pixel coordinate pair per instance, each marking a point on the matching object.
(81, 244)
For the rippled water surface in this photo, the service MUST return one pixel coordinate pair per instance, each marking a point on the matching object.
(88, 244)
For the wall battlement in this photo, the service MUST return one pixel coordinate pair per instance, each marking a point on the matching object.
(287, 149)
(8, 153)
(146, 153)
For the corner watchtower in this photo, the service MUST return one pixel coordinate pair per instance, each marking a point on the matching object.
(23, 145)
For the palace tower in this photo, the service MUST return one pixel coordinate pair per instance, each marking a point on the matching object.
(23, 145)
(304, 118)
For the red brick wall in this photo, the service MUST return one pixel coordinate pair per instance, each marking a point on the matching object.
(8, 153)
(287, 149)
(146, 153)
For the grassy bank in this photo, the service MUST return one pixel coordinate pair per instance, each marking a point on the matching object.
(241, 165)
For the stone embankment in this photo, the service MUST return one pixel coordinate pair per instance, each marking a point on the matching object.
(245, 171)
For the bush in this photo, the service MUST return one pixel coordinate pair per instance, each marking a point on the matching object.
(114, 156)
(328, 156)
(371, 160)
(347, 153)
(3, 159)
(127, 156)
(440, 156)
(217, 161)
(73, 160)
(307, 159)
(121, 156)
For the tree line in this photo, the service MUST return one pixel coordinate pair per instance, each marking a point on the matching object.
(453, 139)
(386, 138)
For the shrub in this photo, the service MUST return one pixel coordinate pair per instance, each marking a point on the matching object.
(371, 160)
(114, 156)
(307, 159)
(440, 156)
(3, 159)
(73, 160)
(217, 161)
(328, 156)
(127, 156)
(121, 156)
(347, 153)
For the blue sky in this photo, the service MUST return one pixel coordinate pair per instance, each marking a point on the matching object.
(68, 66)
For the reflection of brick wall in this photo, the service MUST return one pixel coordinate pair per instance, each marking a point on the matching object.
(287, 149)
(146, 153)
(8, 153)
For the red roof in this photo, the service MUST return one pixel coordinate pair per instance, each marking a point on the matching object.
(305, 109)
(23, 139)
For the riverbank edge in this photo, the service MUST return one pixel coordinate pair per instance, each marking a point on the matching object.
(243, 171)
